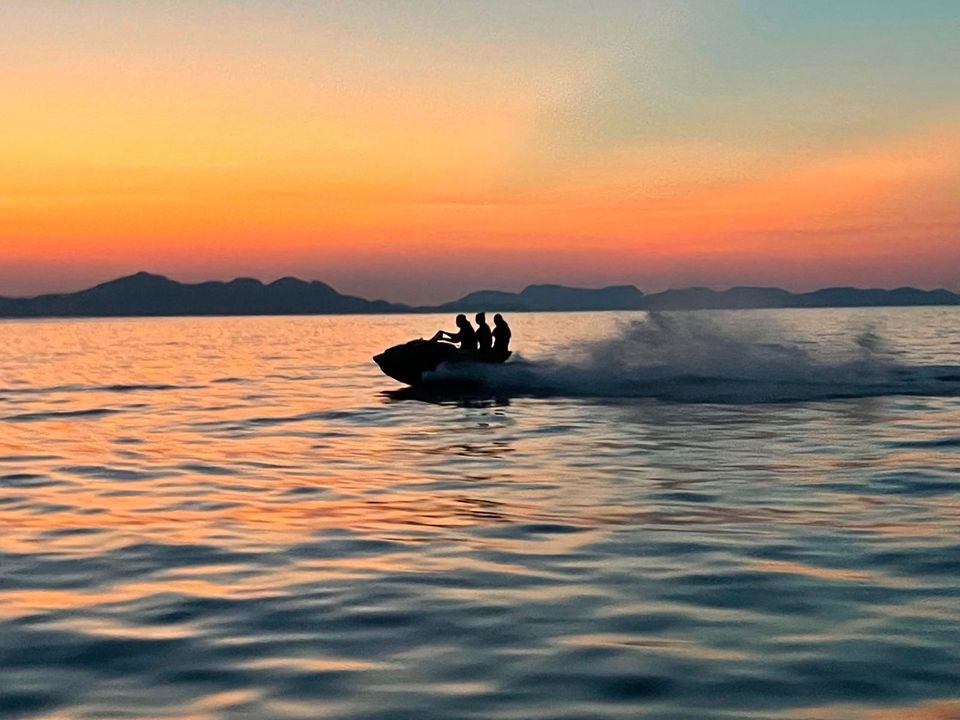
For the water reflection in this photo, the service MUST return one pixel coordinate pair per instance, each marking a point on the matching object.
(441, 394)
(224, 518)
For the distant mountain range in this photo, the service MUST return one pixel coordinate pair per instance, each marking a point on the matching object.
(145, 294)
(547, 298)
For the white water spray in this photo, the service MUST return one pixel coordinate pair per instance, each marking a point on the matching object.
(689, 357)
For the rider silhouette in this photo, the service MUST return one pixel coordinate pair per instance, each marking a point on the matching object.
(501, 337)
(466, 338)
(484, 337)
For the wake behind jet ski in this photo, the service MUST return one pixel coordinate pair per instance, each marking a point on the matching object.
(410, 361)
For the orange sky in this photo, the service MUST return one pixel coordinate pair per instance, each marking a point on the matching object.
(418, 151)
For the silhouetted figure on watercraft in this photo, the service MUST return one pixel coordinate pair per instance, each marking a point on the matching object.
(412, 362)
(466, 339)
(484, 337)
(501, 339)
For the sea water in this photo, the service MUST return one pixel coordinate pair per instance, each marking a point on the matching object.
(749, 514)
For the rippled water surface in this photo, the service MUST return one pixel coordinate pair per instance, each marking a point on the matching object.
(738, 515)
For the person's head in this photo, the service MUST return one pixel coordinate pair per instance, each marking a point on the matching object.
(462, 320)
(481, 318)
(498, 319)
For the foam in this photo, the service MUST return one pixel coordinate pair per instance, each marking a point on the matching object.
(692, 358)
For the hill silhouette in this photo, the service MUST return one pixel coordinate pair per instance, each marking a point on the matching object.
(764, 297)
(146, 294)
(627, 297)
(547, 298)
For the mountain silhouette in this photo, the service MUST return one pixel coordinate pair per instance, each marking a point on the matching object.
(765, 297)
(145, 294)
(546, 298)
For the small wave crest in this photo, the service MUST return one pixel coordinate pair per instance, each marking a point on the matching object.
(689, 358)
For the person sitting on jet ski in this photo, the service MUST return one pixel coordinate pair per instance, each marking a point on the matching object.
(484, 338)
(501, 338)
(466, 338)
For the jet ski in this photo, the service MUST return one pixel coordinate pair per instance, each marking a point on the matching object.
(408, 362)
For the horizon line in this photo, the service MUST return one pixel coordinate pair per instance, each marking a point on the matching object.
(268, 283)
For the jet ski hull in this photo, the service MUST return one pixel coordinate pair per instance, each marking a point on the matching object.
(408, 362)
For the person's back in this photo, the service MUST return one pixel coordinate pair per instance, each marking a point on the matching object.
(501, 337)
(484, 336)
(467, 337)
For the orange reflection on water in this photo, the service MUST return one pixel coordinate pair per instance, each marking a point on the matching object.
(797, 568)
(948, 709)
(242, 485)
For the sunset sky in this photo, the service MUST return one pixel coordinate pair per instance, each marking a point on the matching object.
(418, 150)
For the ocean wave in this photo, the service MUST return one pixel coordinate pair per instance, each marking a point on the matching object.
(92, 413)
(116, 388)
